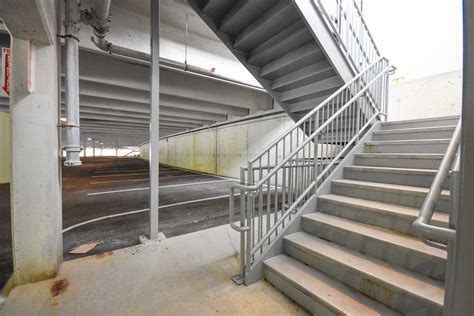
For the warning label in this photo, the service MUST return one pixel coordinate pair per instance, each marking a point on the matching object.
(6, 70)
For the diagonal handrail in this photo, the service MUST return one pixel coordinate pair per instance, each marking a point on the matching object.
(271, 201)
(292, 138)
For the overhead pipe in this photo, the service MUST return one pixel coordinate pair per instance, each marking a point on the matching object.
(99, 17)
(71, 24)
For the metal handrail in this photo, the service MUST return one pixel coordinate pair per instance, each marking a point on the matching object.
(313, 135)
(434, 235)
(305, 119)
(351, 32)
(285, 186)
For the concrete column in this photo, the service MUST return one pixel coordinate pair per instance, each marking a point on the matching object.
(36, 206)
(93, 148)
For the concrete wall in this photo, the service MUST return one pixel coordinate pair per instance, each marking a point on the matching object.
(5, 150)
(433, 96)
(221, 150)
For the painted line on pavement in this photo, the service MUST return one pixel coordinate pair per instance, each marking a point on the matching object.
(161, 186)
(142, 211)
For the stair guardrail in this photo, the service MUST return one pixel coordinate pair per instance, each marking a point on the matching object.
(432, 235)
(346, 22)
(276, 183)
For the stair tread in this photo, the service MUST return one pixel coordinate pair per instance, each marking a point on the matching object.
(388, 186)
(399, 278)
(386, 235)
(331, 293)
(321, 68)
(297, 32)
(308, 49)
(408, 141)
(394, 170)
(416, 129)
(395, 209)
(400, 155)
(265, 21)
(313, 88)
(430, 119)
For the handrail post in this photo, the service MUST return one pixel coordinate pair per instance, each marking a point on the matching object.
(250, 220)
(242, 223)
(315, 171)
(357, 104)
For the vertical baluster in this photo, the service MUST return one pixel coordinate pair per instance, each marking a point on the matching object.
(276, 193)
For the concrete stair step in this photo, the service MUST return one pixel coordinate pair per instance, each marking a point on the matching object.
(398, 249)
(304, 76)
(242, 14)
(390, 216)
(437, 132)
(431, 146)
(318, 293)
(410, 196)
(301, 57)
(405, 176)
(312, 91)
(401, 160)
(395, 287)
(296, 35)
(419, 123)
(272, 22)
(217, 8)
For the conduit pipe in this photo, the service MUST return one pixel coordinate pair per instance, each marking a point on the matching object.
(99, 18)
(71, 24)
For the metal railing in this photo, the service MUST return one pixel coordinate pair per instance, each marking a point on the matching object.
(350, 30)
(277, 182)
(430, 234)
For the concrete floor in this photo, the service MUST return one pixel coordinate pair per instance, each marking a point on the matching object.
(185, 275)
(87, 195)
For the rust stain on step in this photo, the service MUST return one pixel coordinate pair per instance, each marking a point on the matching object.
(104, 255)
(58, 287)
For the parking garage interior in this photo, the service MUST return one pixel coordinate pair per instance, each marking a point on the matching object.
(156, 157)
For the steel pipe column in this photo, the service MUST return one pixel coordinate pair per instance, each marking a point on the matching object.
(71, 25)
(459, 285)
(154, 117)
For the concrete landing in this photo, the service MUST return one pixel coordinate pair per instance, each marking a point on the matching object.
(185, 275)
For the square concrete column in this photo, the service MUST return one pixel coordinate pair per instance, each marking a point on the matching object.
(36, 206)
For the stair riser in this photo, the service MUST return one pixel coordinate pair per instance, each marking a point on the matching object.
(419, 124)
(370, 286)
(291, 290)
(417, 180)
(393, 197)
(418, 262)
(434, 148)
(414, 135)
(398, 223)
(398, 162)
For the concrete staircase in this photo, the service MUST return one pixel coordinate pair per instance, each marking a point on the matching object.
(358, 254)
(273, 40)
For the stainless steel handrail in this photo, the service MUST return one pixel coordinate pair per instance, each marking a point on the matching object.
(434, 235)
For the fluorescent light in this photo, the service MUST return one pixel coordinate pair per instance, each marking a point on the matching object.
(63, 119)
(89, 138)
